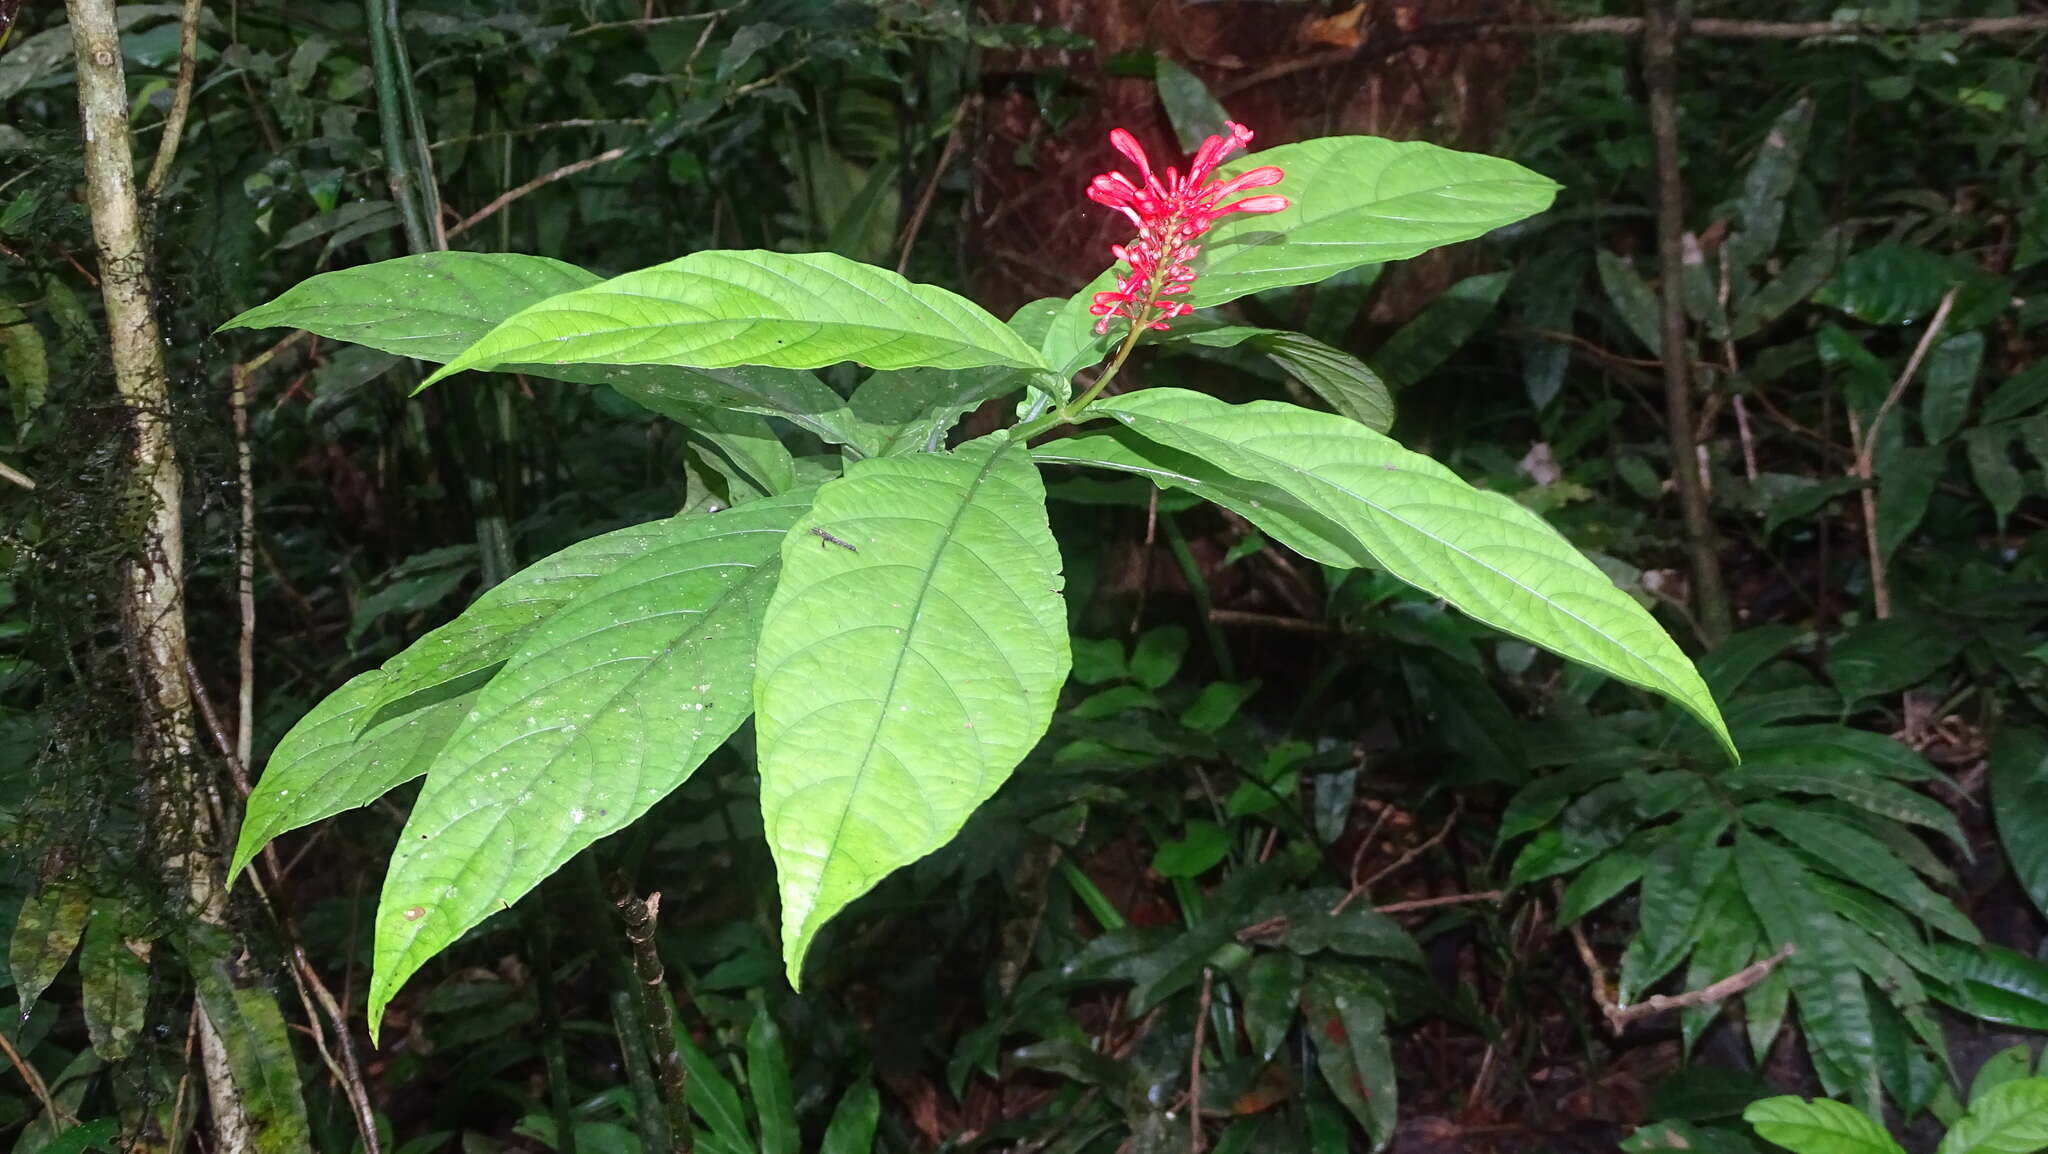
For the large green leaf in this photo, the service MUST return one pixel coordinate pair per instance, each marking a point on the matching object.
(1818, 1127)
(603, 710)
(2019, 798)
(492, 629)
(1997, 984)
(430, 306)
(335, 760)
(1380, 505)
(2008, 1119)
(114, 983)
(1353, 201)
(435, 305)
(718, 309)
(46, 934)
(910, 658)
(1347, 1017)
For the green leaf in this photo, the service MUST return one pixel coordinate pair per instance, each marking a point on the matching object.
(334, 760)
(714, 1099)
(1417, 348)
(1632, 299)
(115, 982)
(604, 710)
(1857, 857)
(1271, 988)
(1818, 1127)
(1192, 109)
(1890, 283)
(1685, 1136)
(46, 934)
(429, 306)
(907, 663)
(1768, 182)
(1858, 788)
(480, 639)
(2008, 1065)
(852, 1128)
(1990, 454)
(1359, 200)
(1158, 655)
(768, 1076)
(2019, 799)
(1996, 984)
(1347, 1017)
(252, 1030)
(910, 410)
(1823, 974)
(1904, 489)
(1193, 854)
(718, 309)
(435, 305)
(2021, 394)
(1598, 883)
(1951, 377)
(1677, 882)
(2010, 1119)
(1727, 944)
(1376, 504)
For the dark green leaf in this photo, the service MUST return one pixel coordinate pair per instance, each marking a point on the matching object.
(1439, 330)
(1996, 984)
(1632, 299)
(852, 1129)
(1270, 986)
(46, 934)
(116, 983)
(1347, 1018)
(768, 1077)
(1193, 110)
(2019, 798)
(1951, 374)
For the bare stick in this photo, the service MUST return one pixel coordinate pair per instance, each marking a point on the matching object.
(245, 550)
(1433, 903)
(181, 103)
(541, 181)
(1619, 1017)
(1865, 442)
(1195, 1063)
(1660, 74)
(1436, 839)
(10, 473)
(931, 186)
(36, 1085)
(639, 915)
(1268, 621)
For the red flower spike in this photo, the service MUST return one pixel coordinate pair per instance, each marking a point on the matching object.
(1170, 213)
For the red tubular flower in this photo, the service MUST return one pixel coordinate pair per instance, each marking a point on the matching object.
(1170, 212)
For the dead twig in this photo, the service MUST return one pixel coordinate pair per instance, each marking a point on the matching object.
(931, 185)
(1195, 1143)
(1620, 1017)
(36, 1085)
(181, 103)
(1865, 444)
(1446, 900)
(541, 181)
(1359, 887)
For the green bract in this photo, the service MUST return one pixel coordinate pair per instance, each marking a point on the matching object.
(891, 614)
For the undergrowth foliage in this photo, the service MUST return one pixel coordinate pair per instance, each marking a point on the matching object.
(892, 619)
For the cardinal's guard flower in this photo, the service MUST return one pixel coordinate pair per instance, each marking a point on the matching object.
(1170, 212)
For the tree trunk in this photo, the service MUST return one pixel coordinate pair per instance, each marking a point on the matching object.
(152, 583)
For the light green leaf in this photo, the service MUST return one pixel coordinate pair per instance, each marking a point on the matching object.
(428, 306)
(335, 760)
(435, 305)
(1359, 200)
(1377, 504)
(494, 626)
(2019, 799)
(910, 658)
(2010, 1119)
(1354, 201)
(1818, 1127)
(719, 309)
(602, 712)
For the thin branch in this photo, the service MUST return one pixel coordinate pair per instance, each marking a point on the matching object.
(1358, 888)
(1241, 617)
(931, 186)
(1660, 76)
(1865, 443)
(10, 473)
(1822, 32)
(1446, 900)
(1195, 1142)
(541, 181)
(181, 103)
(1620, 1017)
(36, 1085)
(640, 915)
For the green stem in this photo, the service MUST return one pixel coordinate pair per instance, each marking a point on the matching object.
(1071, 412)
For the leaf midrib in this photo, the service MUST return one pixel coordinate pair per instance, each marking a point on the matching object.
(1383, 510)
(910, 634)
